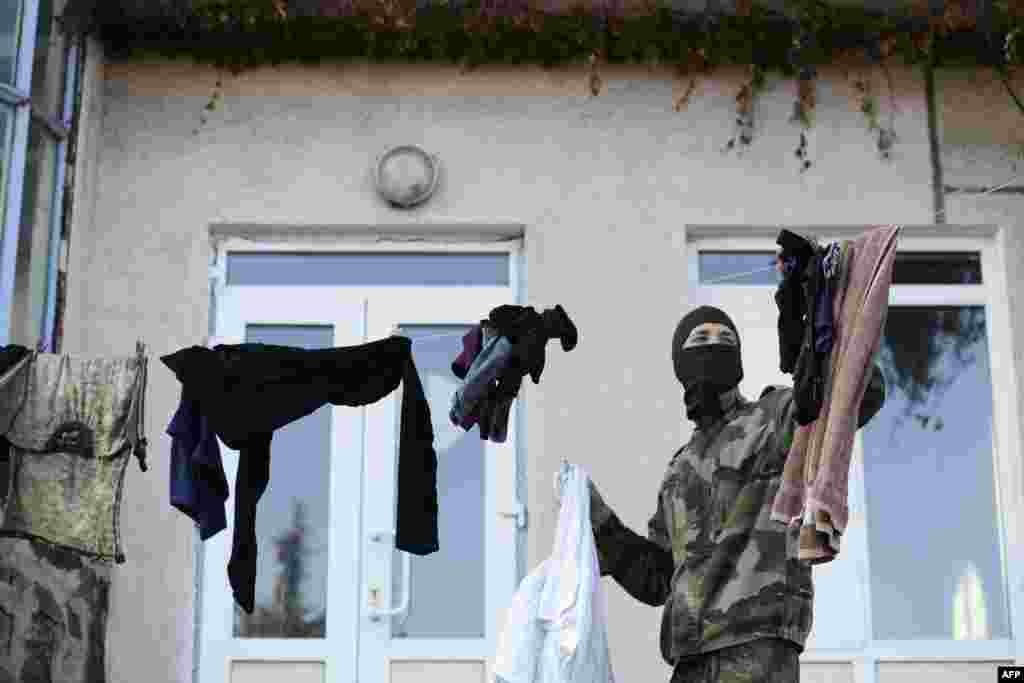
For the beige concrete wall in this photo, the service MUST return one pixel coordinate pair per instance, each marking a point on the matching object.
(605, 187)
(976, 109)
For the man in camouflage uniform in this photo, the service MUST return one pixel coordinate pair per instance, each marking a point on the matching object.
(737, 601)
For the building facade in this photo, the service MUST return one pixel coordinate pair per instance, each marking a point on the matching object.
(262, 223)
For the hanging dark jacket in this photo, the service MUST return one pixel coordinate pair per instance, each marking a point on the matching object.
(809, 373)
(790, 297)
(247, 391)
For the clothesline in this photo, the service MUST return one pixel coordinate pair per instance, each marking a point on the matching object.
(737, 276)
(757, 271)
(987, 192)
(429, 337)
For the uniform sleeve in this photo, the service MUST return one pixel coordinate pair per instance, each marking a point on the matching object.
(642, 566)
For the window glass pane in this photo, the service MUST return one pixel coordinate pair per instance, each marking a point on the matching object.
(937, 268)
(37, 214)
(457, 569)
(48, 61)
(292, 518)
(737, 268)
(911, 268)
(10, 29)
(933, 531)
(368, 269)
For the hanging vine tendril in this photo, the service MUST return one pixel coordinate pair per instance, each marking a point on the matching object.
(803, 113)
(683, 101)
(597, 55)
(874, 57)
(886, 135)
(211, 104)
(746, 106)
(803, 54)
(695, 67)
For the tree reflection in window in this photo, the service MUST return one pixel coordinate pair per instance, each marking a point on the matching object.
(288, 616)
(924, 351)
(930, 482)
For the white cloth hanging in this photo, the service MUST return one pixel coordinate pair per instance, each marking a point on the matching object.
(556, 631)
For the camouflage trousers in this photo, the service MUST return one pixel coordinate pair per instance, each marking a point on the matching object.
(769, 660)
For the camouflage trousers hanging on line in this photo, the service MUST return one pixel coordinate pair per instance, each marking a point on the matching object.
(770, 660)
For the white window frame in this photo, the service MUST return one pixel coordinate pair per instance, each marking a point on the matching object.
(19, 97)
(989, 242)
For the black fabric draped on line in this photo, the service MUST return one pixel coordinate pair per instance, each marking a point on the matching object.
(246, 391)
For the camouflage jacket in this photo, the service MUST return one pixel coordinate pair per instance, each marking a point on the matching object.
(724, 571)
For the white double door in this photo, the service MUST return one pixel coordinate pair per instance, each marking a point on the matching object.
(335, 602)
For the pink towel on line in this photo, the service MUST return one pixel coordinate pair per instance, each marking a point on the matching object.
(813, 491)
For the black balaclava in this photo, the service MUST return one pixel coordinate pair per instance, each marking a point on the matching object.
(706, 372)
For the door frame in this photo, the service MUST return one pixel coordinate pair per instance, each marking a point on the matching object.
(989, 242)
(381, 419)
(225, 239)
(248, 307)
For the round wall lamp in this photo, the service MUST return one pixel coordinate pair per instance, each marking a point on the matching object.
(406, 176)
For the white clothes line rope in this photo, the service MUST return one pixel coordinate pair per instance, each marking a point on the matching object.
(987, 192)
(757, 271)
(737, 276)
(395, 332)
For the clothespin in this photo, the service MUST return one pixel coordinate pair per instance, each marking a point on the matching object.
(395, 331)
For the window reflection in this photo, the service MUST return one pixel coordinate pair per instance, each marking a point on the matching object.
(737, 268)
(293, 515)
(10, 30)
(49, 60)
(389, 269)
(970, 616)
(937, 268)
(933, 531)
(458, 568)
(37, 216)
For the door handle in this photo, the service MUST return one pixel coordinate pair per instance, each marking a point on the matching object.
(518, 511)
(377, 614)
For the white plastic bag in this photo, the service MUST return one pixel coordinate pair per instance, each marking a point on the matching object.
(556, 628)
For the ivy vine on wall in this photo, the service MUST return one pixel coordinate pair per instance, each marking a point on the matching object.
(794, 42)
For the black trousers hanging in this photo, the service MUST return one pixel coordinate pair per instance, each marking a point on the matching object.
(247, 391)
